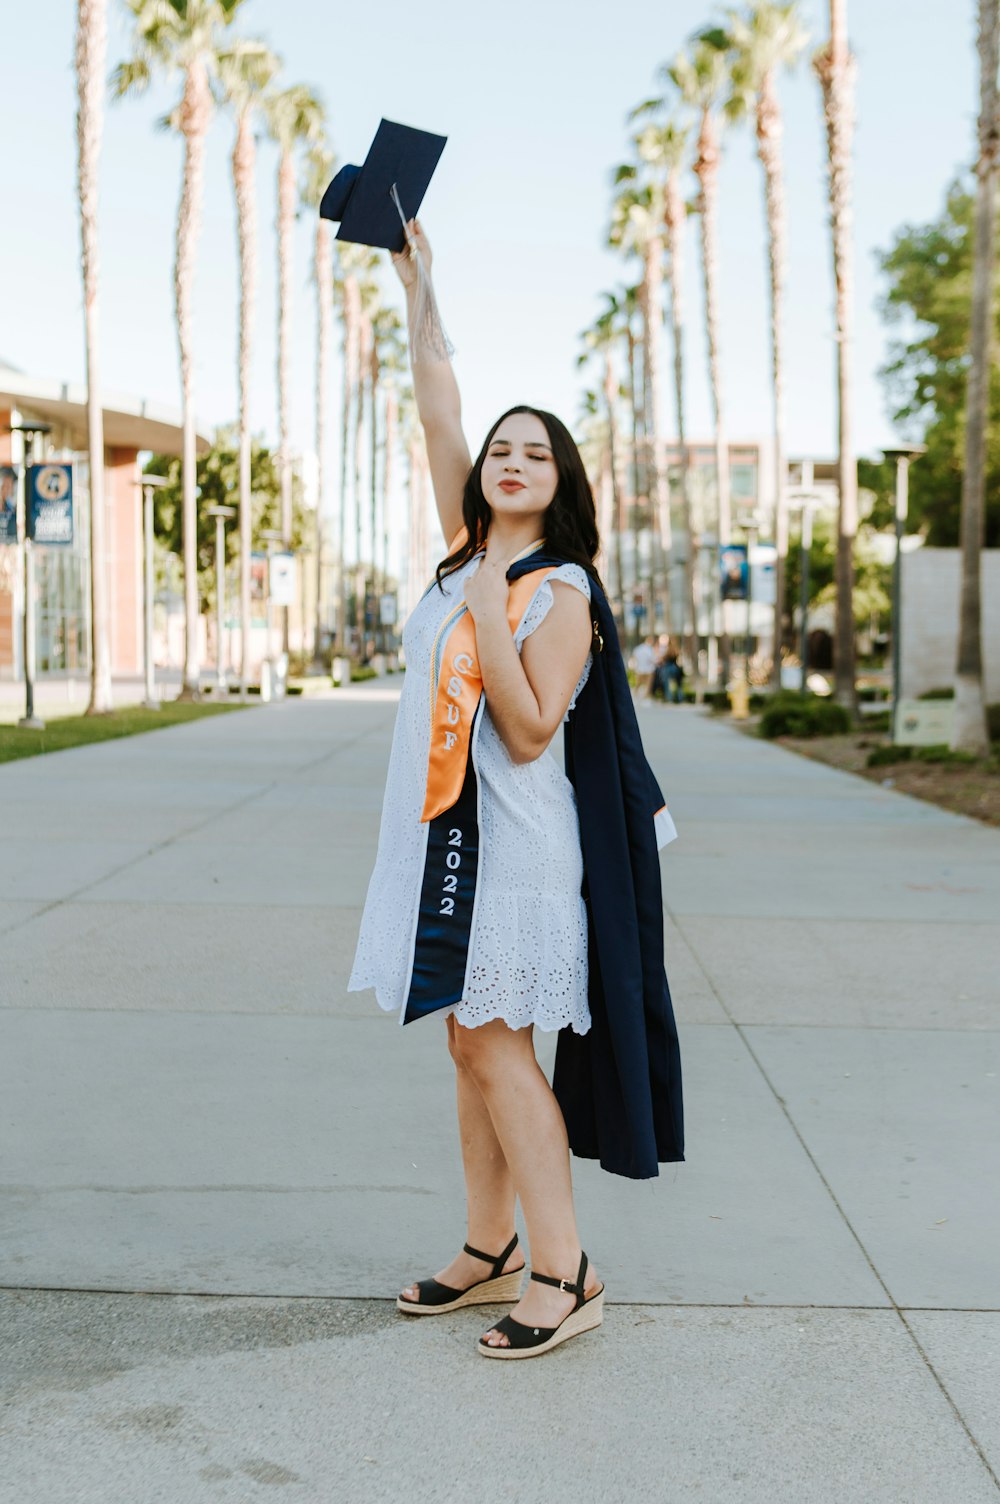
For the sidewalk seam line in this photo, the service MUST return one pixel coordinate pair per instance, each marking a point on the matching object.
(899, 1310)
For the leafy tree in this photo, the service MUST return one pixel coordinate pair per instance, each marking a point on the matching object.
(218, 475)
(929, 293)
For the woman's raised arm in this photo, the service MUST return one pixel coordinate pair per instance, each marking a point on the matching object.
(436, 391)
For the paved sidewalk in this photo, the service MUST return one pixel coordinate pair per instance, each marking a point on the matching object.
(216, 1166)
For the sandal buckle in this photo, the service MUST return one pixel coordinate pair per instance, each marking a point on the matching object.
(567, 1287)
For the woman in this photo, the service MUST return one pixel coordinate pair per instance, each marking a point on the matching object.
(480, 906)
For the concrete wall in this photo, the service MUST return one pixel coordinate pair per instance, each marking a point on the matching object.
(931, 584)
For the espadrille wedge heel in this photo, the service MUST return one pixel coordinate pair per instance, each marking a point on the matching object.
(437, 1299)
(532, 1341)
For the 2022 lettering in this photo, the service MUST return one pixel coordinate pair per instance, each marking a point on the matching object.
(453, 860)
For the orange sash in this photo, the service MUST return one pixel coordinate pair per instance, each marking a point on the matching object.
(456, 686)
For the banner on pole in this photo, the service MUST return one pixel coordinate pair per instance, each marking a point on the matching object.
(8, 503)
(734, 572)
(282, 579)
(50, 503)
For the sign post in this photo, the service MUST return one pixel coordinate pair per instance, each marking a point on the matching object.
(57, 482)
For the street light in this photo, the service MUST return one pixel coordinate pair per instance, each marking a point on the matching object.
(149, 484)
(807, 501)
(902, 454)
(271, 536)
(30, 721)
(220, 513)
(750, 523)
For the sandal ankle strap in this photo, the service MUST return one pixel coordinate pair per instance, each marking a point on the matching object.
(497, 1261)
(577, 1289)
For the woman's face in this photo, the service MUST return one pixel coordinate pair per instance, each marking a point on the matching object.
(519, 475)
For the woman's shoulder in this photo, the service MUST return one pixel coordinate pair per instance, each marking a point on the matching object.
(573, 574)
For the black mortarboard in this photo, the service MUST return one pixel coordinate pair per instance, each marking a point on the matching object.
(361, 198)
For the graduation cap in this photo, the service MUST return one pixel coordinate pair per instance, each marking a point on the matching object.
(372, 202)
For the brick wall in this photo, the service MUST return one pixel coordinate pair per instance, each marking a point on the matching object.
(931, 585)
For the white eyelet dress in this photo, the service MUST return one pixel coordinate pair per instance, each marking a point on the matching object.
(528, 949)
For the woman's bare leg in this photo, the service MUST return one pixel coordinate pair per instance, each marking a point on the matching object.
(489, 1187)
(531, 1133)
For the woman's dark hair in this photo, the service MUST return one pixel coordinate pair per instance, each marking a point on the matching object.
(570, 519)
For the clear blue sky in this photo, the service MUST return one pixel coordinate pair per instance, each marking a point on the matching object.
(533, 98)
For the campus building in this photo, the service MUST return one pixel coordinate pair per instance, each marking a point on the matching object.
(131, 426)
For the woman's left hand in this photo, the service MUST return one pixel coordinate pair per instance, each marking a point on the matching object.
(486, 592)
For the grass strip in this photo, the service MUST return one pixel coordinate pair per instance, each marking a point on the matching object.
(80, 730)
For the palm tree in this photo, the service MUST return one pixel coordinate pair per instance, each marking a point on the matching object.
(244, 72)
(353, 262)
(319, 166)
(969, 733)
(637, 229)
(604, 338)
(182, 36)
(664, 149)
(295, 117)
(364, 372)
(91, 49)
(836, 66)
(388, 358)
(760, 43)
(702, 78)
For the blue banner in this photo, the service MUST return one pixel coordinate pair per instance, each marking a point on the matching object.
(734, 572)
(8, 503)
(50, 503)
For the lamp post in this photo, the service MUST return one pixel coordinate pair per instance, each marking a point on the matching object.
(902, 454)
(149, 484)
(751, 527)
(805, 502)
(30, 721)
(220, 514)
(271, 536)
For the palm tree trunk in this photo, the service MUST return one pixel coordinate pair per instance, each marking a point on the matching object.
(614, 446)
(388, 479)
(195, 113)
(244, 160)
(91, 51)
(638, 460)
(373, 374)
(364, 360)
(350, 317)
(836, 68)
(662, 538)
(674, 219)
(323, 271)
(285, 224)
(969, 733)
(706, 168)
(769, 132)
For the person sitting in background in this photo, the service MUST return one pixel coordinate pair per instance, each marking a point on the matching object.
(673, 674)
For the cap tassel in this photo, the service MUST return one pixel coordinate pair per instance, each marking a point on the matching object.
(428, 340)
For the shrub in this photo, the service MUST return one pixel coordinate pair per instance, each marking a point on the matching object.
(363, 671)
(790, 714)
(940, 752)
(993, 722)
(944, 692)
(883, 757)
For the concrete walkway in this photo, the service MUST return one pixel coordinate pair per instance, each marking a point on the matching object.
(217, 1167)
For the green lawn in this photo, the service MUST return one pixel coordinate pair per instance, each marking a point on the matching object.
(78, 730)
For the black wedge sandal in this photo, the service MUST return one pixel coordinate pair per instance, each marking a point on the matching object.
(436, 1299)
(532, 1341)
